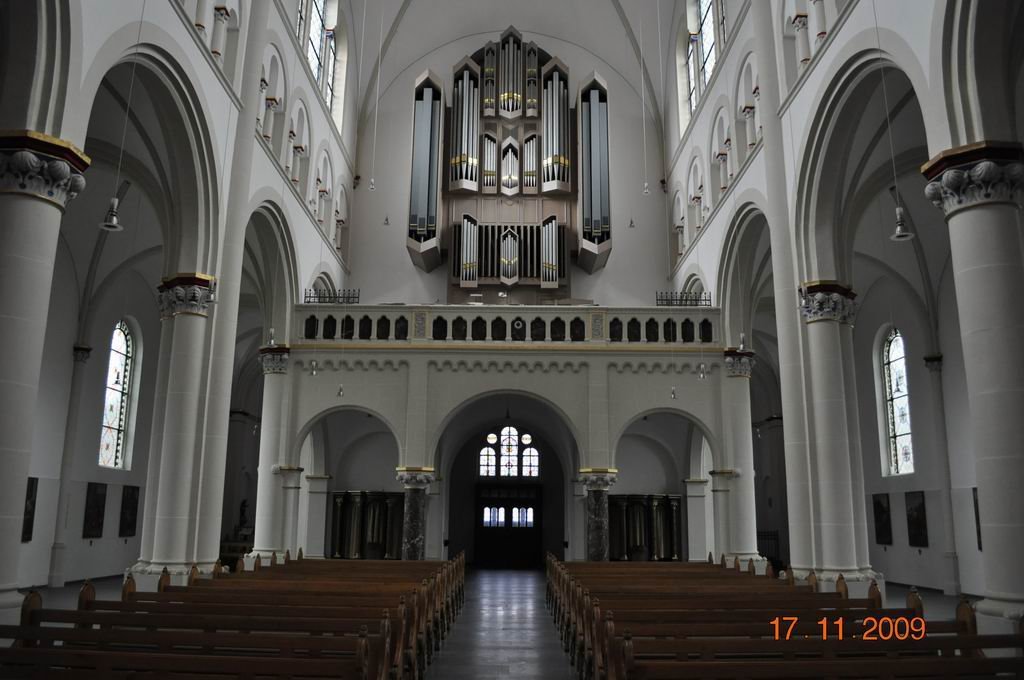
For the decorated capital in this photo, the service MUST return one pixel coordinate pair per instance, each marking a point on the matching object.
(598, 479)
(415, 477)
(186, 294)
(827, 301)
(274, 359)
(738, 363)
(39, 165)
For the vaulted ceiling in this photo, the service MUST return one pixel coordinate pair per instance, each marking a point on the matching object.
(609, 29)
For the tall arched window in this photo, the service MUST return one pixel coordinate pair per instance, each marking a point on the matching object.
(897, 404)
(117, 403)
(317, 38)
(706, 31)
(518, 456)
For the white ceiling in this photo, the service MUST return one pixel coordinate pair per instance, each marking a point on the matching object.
(610, 29)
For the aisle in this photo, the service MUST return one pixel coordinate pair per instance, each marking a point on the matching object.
(504, 631)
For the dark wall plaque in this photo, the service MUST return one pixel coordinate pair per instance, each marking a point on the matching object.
(129, 511)
(95, 508)
(883, 519)
(917, 519)
(30, 509)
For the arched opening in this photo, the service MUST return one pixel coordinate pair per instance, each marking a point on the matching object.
(506, 462)
(345, 502)
(661, 508)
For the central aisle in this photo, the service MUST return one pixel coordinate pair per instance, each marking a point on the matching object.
(504, 631)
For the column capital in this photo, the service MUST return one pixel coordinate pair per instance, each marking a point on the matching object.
(983, 182)
(186, 294)
(415, 477)
(933, 363)
(800, 22)
(598, 479)
(37, 164)
(81, 353)
(274, 359)
(827, 301)
(747, 111)
(738, 362)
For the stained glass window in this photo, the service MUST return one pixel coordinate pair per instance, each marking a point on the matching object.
(515, 516)
(531, 462)
(494, 517)
(488, 462)
(691, 65)
(897, 405)
(509, 452)
(522, 517)
(300, 19)
(117, 398)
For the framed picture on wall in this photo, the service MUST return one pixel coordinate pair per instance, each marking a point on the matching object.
(95, 509)
(29, 521)
(129, 511)
(917, 519)
(883, 519)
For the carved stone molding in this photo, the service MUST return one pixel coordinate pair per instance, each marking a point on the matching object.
(827, 301)
(598, 479)
(738, 363)
(185, 294)
(933, 363)
(415, 478)
(985, 181)
(39, 174)
(81, 353)
(274, 359)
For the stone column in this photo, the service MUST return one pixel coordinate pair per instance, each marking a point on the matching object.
(758, 124)
(803, 44)
(39, 174)
(316, 519)
(262, 105)
(720, 481)
(389, 553)
(740, 447)
(56, 577)
(290, 486)
(673, 524)
(698, 544)
(267, 536)
(723, 170)
(414, 524)
(828, 307)
(748, 119)
(980, 188)
(681, 237)
(185, 302)
(597, 481)
(271, 105)
(952, 587)
(202, 12)
(819, 22)
(220, 33)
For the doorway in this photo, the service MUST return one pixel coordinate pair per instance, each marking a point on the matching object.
(509, 521)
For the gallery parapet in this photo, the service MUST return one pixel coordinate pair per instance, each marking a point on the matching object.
(627, 327)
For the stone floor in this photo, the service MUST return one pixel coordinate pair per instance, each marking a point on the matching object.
(66, 597)
(504, 631)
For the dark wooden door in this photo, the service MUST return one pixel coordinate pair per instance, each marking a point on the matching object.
(508, 526)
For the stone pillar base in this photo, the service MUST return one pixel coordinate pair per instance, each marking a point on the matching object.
(999, 617)
(760, 563)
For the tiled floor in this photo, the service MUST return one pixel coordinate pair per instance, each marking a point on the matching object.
(504, 631)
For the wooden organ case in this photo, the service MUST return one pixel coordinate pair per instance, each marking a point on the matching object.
(522, 187)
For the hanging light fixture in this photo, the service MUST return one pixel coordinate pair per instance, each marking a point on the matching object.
(702, 371)
(314, 367)
(111, 222)
(376, 109)
(341, 390)
(643, 106)
(900, 233)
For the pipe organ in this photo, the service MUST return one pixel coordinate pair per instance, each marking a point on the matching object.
(531, 254)
(526, 189)
(595, 213)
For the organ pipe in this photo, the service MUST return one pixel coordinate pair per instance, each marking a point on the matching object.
(594, 201)
(530, 165)
(426, 129)
(532, 74)
(464, 141)
(489, 77)
(510, 75)
(469, 270)
(510, 167)
(555, 113)
(490, 162)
